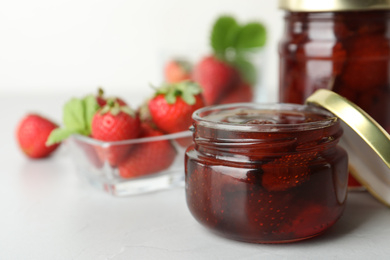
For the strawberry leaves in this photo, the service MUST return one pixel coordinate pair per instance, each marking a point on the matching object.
(77, 118)
(224, 34)
(228, 34)
(115, 108)
(187, 90)
(250, 36)
(231, 42)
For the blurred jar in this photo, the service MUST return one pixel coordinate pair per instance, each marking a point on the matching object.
(339, 45)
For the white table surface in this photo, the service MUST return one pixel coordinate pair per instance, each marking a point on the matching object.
(47, 212)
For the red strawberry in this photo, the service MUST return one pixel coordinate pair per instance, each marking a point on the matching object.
(215, 77)
(102, 101)
(148, 157)
(173, 105)
(243, 92)
(177, 70)
(115, 123)
(286, 172)
(32, 134)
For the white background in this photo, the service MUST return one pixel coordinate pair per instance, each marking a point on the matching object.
(74, 46)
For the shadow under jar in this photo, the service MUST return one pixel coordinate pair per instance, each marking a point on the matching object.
(339, 45)
(266, 173)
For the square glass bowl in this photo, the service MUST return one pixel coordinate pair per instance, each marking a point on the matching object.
(133, 166)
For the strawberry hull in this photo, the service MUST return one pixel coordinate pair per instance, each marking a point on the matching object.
(145, 164)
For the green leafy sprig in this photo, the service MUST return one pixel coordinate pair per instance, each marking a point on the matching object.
(77, 118)
(232, 42)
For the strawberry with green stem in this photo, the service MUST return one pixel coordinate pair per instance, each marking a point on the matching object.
(113, 123)
(172, 106)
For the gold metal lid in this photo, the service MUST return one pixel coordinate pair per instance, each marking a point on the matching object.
(332, 5)
(366, 142)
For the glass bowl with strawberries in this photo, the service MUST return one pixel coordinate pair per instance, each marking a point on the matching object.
(151, 162)
(125, 151)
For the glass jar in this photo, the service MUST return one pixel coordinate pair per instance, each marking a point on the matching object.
(339, 45)
(266, 173)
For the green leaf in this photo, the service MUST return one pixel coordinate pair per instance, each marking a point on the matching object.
(223, 34)
(58, 135)
(128, 110)
(170, 97)
(91, 107)
(251, 35)
(188, 97)
(247, 70)
(194, 88)
(73, 115)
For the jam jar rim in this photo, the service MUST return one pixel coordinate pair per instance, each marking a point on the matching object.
(333, 6)
(328, 121)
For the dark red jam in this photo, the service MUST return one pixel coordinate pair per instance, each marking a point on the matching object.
(266, 173)
(346, 51)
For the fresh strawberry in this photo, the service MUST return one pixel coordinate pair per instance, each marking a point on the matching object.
(102, 101)
(32, 134)
(177, 70)
(242, 93)
(148, 157)
(115, 123)
(173, 105)
(215, 77)
(286, 172)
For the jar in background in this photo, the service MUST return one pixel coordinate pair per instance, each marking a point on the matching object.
(266, 173)
(339, 45)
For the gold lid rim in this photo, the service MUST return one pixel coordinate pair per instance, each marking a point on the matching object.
(367, 129)
(333, 5)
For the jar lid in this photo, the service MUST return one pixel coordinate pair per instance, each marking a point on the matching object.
(366, 142)
(333, 5)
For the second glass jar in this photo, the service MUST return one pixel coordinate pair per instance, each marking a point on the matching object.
(345, 51)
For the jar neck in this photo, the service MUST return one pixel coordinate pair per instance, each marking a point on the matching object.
(244, 146)
(332, 26)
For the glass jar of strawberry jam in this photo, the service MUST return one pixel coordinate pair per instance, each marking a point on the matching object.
(340, 45)
(266, 173)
